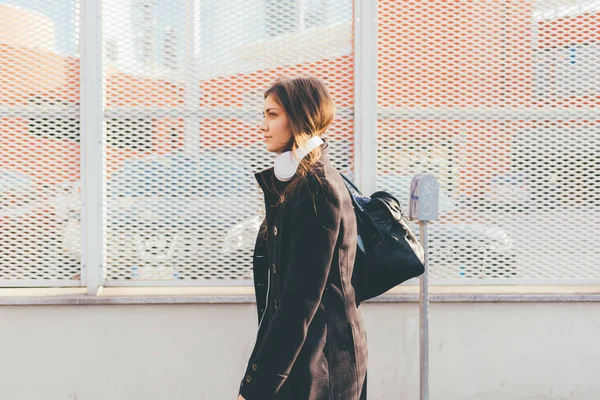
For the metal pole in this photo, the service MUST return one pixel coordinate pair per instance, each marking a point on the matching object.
(424, 316)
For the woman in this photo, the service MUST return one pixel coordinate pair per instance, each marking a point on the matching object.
(311, 343)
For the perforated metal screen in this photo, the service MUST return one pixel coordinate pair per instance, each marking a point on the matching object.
(499, 99)
(39, 140)
(184, 85)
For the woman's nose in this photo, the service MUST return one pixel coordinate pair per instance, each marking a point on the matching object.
(263, 126)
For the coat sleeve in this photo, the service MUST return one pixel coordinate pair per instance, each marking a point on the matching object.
(314, 233)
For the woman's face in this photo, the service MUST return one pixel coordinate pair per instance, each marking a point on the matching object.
(275, 126)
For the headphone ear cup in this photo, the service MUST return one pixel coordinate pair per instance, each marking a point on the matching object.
(285, 168)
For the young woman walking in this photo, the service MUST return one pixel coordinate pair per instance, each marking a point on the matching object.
(311, 342)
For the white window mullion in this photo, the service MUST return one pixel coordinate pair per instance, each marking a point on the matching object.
(191, 81)
(365, 95)
(92, 145)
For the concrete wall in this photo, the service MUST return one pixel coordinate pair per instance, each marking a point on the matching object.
(479, 350)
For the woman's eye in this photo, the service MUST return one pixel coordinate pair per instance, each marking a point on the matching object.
(272, 114)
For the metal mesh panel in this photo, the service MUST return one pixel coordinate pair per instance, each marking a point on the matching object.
(39, 142)
(499, 99)
(183, 82)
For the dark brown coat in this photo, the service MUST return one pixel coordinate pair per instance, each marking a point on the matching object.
(311, 343)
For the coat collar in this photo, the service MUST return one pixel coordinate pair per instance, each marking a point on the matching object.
(271, 186)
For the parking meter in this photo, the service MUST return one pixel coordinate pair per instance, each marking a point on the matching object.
(424, 197)
(424, 201)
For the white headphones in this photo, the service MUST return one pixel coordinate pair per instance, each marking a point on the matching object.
(287, 162)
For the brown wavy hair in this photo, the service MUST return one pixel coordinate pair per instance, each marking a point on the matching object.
(310, 110)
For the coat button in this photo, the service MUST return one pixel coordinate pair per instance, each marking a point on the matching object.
(254, 367)
(274, 268)
(276, 304)
(248, 378)
(275, 230)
